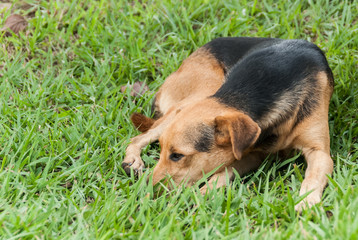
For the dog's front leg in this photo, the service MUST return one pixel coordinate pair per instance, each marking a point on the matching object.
(218, 179)
(133, 151)
(319, 164)
(248, 163)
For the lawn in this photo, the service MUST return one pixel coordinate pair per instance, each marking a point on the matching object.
(64, 121)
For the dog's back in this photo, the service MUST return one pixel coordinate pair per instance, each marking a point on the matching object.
(276, 82)
(283, 71)
(229, 50)
(204, 71)
(235, 100)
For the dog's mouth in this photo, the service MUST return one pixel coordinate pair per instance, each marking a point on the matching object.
(169, 183)
(202, 184)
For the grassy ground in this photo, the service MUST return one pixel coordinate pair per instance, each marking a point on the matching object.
(64, 123)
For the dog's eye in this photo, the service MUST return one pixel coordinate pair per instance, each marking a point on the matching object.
(176, 156)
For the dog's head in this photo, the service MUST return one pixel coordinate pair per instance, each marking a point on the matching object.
(201, 138)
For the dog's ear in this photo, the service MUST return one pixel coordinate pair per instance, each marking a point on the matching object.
(236, 129)
(141, 122)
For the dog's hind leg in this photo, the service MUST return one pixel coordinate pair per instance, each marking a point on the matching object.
(319, 165)
(312, 137)
(314, 143)
(133, 151)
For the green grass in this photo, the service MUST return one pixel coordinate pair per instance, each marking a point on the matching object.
(64, 123)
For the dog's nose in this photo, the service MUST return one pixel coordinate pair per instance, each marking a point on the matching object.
(156, 178)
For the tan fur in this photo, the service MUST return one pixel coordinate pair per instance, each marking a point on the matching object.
(231, 127)
(312, 137)
(183, 101)
(175, 139)
(198, 77)
(248, 163)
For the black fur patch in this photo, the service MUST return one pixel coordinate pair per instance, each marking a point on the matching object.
(229, 50)
(261, 78)
(308, 105)
(266, 140)
(205, 139)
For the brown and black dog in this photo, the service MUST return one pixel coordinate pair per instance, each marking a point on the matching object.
(234, 101)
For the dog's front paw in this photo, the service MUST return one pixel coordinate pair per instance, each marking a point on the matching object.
(308, 202)
(133, 162)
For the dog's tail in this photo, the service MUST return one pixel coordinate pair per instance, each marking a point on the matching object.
(141, 122)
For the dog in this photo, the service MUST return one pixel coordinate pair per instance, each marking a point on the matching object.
(234, 101)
